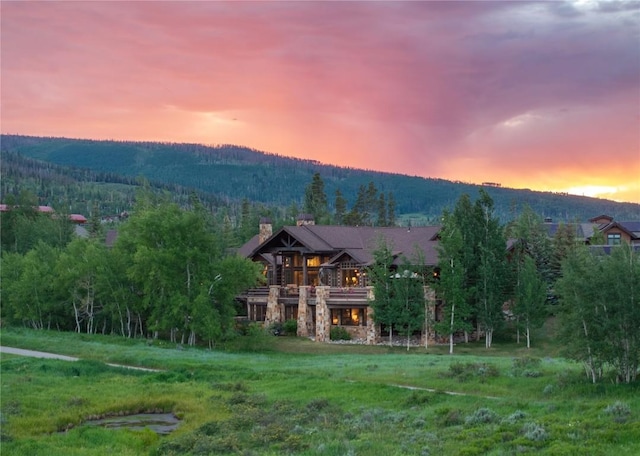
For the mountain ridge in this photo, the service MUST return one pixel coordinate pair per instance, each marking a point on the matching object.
(235, 172)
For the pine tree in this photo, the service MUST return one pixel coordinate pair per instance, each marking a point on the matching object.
(315, 199)
(391, 210)
(382, 211)
(341, 208)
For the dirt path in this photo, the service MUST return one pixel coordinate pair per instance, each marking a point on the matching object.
(450, 393)
(39, 354)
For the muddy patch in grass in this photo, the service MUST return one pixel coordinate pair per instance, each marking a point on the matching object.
(160, 423)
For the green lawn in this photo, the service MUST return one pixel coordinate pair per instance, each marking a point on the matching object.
(280, 395)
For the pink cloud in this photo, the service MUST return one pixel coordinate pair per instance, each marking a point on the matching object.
(518, 91)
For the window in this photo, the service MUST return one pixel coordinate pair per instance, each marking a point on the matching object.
(350, 274)
(348, 317)
(614, 239)
(313, 261)
(291, 312)
(257, 312)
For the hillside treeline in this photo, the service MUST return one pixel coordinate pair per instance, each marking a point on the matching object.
(233, 173)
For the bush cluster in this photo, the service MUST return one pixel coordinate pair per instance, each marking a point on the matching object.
(466, 371)
(339, 333)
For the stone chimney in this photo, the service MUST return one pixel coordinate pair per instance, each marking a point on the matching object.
(305, 219)
(266, 229)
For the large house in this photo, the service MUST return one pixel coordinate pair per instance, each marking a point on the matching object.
(317, 274)
(615, 233)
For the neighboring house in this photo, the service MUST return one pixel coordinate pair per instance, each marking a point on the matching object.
(317, 274)
(614, 232)
(77, 219)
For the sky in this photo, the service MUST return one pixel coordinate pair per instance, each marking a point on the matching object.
(538, 95)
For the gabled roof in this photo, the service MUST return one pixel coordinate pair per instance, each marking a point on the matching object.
(632, 229)
(359, 242)
(583, 231)
(601, 217)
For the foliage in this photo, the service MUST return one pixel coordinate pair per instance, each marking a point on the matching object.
(227, 173)
(322, 399)
(451, 285)
(379, 274)
(491, 267)
(408, 298)
(468, 371)
(315, 199)
(29, 294)
(339, 333)
(23, 226)
(167, 273)
(531, 271)
(619, 411)
(530, 295)
(600, 312)
(482, 415)
(290, 327)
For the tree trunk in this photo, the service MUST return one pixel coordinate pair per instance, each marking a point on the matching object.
(77, 316)
(488, 337)
(453, 309)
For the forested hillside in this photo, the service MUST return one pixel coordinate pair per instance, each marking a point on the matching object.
(232, 173)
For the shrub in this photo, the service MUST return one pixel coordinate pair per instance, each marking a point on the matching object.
(526, 367)
(548, 390)
(481, 416)
(418, 398)
(448, 417)
(290, 327)
(276, 328)
(339, 333)
(534, 432)
(466, 371)
(514, 417)
(619, 411)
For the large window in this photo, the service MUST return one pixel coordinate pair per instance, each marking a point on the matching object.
(350, 274)
(614, 239)
(348, 317)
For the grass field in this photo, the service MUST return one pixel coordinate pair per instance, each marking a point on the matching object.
(279, 395)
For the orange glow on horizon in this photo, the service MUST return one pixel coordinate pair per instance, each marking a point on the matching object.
(356, 84)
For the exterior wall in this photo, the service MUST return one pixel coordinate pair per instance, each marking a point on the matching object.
(370, 331)
(274, 309)
(624, 237)
(323, 316)
(373, 330)
(356, 332)
(304, 325)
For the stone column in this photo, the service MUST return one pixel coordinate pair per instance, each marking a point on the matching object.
(274, 314)
(428, 333)
(323, 316)
(372, 327)
(303, 310)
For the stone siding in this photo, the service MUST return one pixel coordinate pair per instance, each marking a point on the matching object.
(323, 316)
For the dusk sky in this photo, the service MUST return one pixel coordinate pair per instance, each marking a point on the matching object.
(539, 95)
